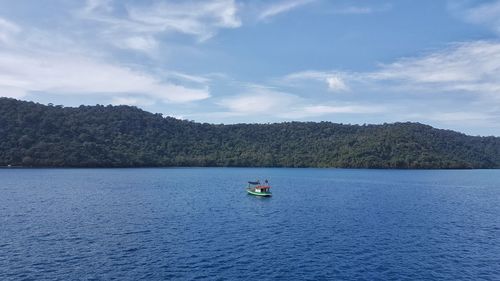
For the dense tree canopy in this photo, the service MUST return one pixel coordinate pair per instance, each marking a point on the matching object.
(37, 135)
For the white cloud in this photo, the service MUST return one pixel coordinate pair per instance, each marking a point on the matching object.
(459, 116)
(282, 7)
(361, 10)
(201, 19)
(335, 81)
(37, 63)
(469, 117)
(135, 101)
(419, 88)
(324, 109)
(97, 5)
(11, 92)
(471, 67)
(487, 14)
(259, 100)
(308, 74)
(140, 43)
(70, 75)
(320, 110)
(7, 30)
(188, 77)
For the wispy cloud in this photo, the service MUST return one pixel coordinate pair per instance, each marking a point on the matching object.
(336, 83)
(92, 6)
(259, 100)
(452, 117)
(282, 7)
(486, 13)
(69, 75)
(28, 67)
(265, 101)
(423, 87)
(135, 101)
(471, 66)
(201, 19)
(334, 80)
(7, 30)
(322, 110)
(144, 44)
(201, 79)
(361, 10)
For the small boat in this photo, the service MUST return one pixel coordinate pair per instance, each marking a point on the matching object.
(257, 189)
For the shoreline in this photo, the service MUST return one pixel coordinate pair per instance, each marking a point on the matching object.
(239, 167)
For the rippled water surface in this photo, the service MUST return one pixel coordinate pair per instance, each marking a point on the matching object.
(188, 224)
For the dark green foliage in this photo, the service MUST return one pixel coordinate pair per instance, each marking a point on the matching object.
(36, 135)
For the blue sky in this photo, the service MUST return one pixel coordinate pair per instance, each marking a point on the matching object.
(228, 61)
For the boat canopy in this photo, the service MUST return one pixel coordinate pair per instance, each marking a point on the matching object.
(254, 182)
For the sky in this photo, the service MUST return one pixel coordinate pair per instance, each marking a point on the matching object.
(234, 61)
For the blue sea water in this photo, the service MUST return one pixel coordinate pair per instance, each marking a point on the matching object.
(199, 224)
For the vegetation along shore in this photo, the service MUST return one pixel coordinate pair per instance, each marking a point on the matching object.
(36, 135)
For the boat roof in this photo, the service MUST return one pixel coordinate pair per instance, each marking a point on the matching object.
(258, 182)
(259, 185)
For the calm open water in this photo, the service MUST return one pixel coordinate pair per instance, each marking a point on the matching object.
(190, 224)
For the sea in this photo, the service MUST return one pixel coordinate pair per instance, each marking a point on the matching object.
(200, 224)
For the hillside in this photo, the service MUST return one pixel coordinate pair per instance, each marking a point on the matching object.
(37, 135)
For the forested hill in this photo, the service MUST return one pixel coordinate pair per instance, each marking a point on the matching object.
(37, 135)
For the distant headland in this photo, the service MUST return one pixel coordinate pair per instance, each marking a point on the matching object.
(36, 135)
